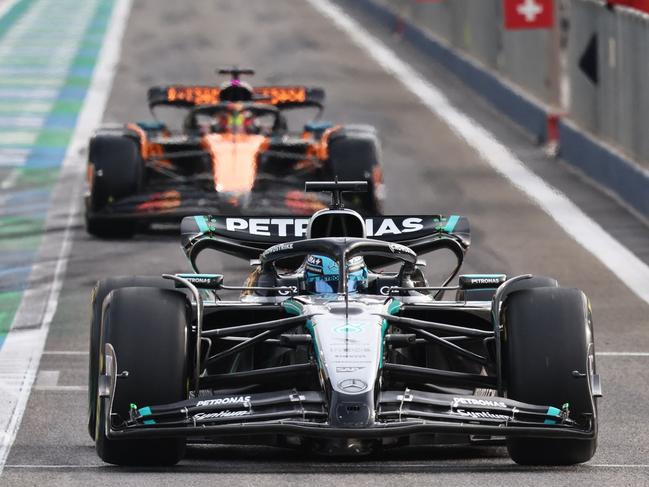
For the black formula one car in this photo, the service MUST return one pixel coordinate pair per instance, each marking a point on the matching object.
(234, 153)
(324, 351)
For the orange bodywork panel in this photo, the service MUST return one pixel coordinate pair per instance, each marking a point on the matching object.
(234, 160)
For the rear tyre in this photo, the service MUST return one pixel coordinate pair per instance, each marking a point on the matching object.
(549, 335)
(148, 329)
(99, 293)
(115, 171)
(355, 155)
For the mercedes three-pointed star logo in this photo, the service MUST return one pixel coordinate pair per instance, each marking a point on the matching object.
(352, 385)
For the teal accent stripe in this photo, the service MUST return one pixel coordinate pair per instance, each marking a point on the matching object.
(311, 329)
(292, 307)
(450, 224)
(202, 224)
(552, 411)
(144, 411)
(394, 306)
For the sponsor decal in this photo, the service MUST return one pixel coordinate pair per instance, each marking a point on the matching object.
(469, 401)
(348, 369)
(349, 328)
(481, 414)
(296, 227)
(313, 260)
(220, 414)
(199, 280)
(389, 227)
(352, 385)
(287, 292)
(282, 227)
(485, 280)
(224, 400)
(280, 247)
(204, 280)
(209, 95)
(400, 249)
(385, 290)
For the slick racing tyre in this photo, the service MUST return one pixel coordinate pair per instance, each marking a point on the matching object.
(549, 336)
(148, 329)
(115, 171)
(355, 155)
(99, 293)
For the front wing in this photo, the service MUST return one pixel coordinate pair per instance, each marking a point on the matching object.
(174, 204)
(304, 414)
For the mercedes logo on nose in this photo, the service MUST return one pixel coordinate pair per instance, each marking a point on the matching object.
(352, 385)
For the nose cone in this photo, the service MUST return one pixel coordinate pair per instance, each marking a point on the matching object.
(350, 348)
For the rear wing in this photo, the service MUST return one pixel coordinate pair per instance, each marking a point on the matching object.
(279, 96)
(247, 237)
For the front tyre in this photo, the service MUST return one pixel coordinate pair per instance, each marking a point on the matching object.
(102, 289)
(549, 335)
(148, 328)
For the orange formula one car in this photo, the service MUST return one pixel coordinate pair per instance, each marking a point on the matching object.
(234, 153)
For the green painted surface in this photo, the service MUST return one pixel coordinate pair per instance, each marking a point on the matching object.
(52, 95)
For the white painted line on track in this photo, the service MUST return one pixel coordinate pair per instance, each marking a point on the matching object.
(47, 378)
(622, 354)
(58, 388)
(632, 271)
(57, 466)
(24, 343)
(66, 352)
(382, 465)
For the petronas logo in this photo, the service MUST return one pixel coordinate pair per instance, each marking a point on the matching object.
(349, 328)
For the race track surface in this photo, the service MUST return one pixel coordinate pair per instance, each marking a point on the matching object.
(427, 169)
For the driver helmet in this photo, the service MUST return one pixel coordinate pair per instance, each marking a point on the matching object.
(322, 274)
(236, 121)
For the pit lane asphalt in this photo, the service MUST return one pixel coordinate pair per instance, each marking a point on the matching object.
(427, 169)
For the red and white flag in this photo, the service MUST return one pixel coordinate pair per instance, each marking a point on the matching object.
(529, 14)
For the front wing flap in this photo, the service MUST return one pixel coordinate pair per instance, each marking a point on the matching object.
(399, 413)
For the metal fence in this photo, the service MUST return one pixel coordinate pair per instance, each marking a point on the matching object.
(614, 104)
(476, 27)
